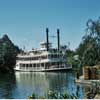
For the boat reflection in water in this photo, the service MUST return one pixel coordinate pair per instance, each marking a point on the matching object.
(41, 82)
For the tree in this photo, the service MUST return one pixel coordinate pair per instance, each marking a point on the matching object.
(70, 58)
(8, 52)
(89, 48)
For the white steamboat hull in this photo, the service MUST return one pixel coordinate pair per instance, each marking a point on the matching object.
(42, 70)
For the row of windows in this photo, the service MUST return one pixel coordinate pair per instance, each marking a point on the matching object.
(38, 58)
(32, 58)
(41, 64)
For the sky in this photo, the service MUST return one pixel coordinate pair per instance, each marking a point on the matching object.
(25, 21)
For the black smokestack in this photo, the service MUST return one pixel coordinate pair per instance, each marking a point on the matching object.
(47, 38)
(58, 38)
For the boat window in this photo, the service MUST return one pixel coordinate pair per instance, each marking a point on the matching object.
(38, 65)
(23, 65)
(42, 64)
(34, 65)
(30, 65)
(26, 65)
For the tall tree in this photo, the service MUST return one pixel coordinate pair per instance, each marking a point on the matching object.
(89, 48)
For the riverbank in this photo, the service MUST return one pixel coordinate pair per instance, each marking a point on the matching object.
(94, 87)
(81, 80)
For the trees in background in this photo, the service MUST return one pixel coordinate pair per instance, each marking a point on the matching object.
(8, 52)
(70, 58)
(89, 48)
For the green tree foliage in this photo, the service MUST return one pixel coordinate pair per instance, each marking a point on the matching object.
(89, 48)
(8, 52)
(70, 57)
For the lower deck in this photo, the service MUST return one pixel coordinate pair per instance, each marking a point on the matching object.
(43, 69)
(42, 66)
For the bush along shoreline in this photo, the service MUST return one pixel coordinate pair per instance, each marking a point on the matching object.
(53, 95)
(94, 90)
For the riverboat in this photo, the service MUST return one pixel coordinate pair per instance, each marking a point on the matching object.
(46, 58)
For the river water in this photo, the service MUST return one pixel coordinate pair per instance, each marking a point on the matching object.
(23, 84)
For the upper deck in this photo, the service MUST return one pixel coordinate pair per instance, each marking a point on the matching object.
(36, 53)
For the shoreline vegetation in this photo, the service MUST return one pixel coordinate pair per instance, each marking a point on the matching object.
(53, 95)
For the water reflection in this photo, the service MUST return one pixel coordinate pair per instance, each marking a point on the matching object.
(41, 82)
(7, 85)
(23, 84)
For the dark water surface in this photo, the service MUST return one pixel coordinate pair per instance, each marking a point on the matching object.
(22, 84)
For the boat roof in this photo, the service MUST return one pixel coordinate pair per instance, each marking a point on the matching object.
(41, 43)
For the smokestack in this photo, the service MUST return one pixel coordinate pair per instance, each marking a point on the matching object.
(58, 38)
(47, 38)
